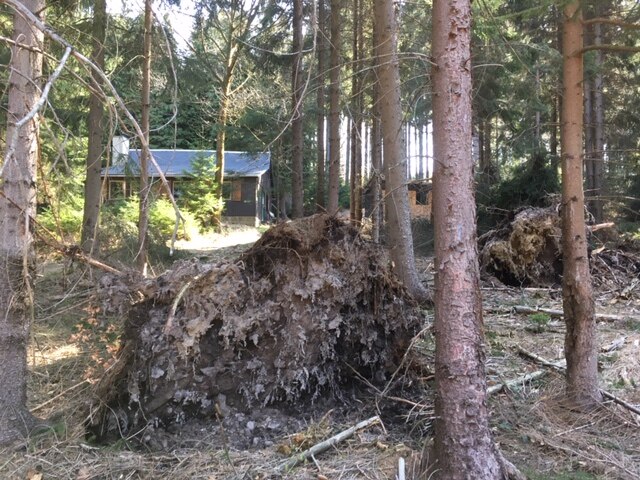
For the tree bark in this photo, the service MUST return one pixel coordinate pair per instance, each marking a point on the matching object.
(427, 173)
(17, 208)
(320, 106)
(588, 136)
(221, 138)
(376, 144)
(145, 184)
(93, 184)
(580, 339)
(463, 447)
(297, 190)
(356, 126)
(399, 239)
(597, 207)
(420, 133)
(334, 109)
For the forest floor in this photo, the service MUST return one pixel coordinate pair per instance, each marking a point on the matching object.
(73, 344)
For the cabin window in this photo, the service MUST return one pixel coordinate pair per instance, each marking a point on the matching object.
(232, 190)
(117, 189)
(421, 197)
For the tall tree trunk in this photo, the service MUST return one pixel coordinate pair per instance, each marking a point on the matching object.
(320, 106)
(356, 127)
(334, 108)
(557, 103)
(347, 161)
(588, 136)
(580, 338)
(221, 138)
(538, 130)
(427, 173)
(399, 239)
(488, 167)
(463, 447)
(417, 143)
(407, 148)
(553, 142)
(93, 184)
(420, 133)
(597, 207)
(297, 190)
(376, 141)
(145, 184)
(17, 209)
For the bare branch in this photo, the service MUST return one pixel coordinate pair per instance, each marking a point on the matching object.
(610, 48)
(618, 22)
(22, 45)
(326, 444)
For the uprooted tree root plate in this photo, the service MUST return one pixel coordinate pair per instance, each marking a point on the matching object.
(310, 306)
(525, 250)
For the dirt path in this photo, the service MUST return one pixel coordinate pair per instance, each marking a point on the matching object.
(223, 245)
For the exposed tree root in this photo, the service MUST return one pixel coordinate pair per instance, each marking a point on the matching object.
(308, 307)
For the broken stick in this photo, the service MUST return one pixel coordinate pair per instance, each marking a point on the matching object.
(606, 317)
(326, 444)
(516, 382)
(560, 367)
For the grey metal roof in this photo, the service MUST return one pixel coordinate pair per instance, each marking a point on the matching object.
(177, 163)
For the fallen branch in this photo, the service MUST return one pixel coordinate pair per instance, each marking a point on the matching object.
(560, 367)
(600, 226)
(326, 444)
(605, 317)
(401, 469)
(620, 402)
(515, 382)
(53, 399)
(76, 253)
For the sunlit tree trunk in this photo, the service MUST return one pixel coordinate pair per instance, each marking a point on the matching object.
(145, 184)
(297, 190)
(320, 106)
(463, 447)
(17, 209)
(420, 133)
(580, 339)
(427, 173)
(334, 108)
(92, 186)
(398, 222)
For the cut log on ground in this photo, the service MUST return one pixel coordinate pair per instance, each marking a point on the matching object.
(308, 307)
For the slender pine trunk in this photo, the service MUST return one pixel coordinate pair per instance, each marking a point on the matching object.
(580, 339)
